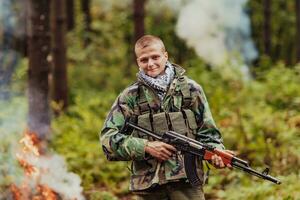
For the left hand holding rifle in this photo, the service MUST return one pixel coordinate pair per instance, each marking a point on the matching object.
(217, 162)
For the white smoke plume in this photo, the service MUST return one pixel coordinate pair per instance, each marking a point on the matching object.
(59, 179)
(51, 170)
(12, 123)
(12, 17)
(218, 30)
(12, 28)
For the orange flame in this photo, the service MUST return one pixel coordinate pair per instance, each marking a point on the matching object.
(45, 193)
(31, 144)
(17, 194)
(28, 168)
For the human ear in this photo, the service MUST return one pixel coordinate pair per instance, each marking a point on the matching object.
(166, 55)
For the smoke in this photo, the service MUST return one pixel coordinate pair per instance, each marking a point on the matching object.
(13, 17)
(13, 112)
(219, 31)
(12, 123)
(59, 179)
(51, 170)
(51, 167)
(12, 31)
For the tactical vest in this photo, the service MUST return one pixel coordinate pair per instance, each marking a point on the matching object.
(152, 116)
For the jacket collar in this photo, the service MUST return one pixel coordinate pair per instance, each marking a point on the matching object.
(179, 71)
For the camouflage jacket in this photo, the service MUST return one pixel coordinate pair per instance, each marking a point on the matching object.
(146, 171)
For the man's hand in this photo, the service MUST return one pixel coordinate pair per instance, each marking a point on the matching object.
(160, 150)
(217, 160)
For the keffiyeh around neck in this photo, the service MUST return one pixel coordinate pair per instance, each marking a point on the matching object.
(161, 82)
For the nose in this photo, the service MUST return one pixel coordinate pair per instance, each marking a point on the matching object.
(150, 63)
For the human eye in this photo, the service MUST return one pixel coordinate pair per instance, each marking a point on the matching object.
(144, 60)
(155, 57)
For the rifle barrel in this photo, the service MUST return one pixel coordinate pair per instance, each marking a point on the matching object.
(249, 170)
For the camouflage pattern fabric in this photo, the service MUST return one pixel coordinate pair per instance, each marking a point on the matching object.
(173, 191)
(146, 171)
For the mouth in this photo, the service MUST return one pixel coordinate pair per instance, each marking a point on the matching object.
(153, 69)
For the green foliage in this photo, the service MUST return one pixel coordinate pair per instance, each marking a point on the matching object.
(102, 196)
(283, 28)
(76, 138)
(266, 191)
(261, 120)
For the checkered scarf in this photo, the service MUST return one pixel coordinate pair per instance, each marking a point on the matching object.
(161, 82)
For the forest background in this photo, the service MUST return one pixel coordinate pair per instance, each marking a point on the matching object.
(63, 63)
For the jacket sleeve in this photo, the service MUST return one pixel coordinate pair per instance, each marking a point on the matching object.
(116, 145)
(207, 130)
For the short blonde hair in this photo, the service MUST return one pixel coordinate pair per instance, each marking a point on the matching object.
(148, 40)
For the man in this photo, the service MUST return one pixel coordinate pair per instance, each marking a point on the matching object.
(162, 99)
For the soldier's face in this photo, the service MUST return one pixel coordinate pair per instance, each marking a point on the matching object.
(152, 59)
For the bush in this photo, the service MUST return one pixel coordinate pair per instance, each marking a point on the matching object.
(76, 138)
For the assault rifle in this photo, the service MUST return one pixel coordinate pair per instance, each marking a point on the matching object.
(192, 148)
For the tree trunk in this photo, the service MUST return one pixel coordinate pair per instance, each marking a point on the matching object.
(59, 75)
(69, 5)
(19, 40)
(85, 8)
(298, 30)
(267, 27)
(38, 52)
(138, 16)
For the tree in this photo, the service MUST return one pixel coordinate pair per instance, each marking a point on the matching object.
(267, 27)
(21, 40)
(58, 30)
(38, 52)
(69, 7)
(138, 16)
(298, 30)
(85, 7)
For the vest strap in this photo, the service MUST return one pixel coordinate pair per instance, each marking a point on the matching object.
(143, 104)
(185, 90)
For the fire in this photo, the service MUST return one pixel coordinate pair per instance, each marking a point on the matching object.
(45, 193)
(42, 193)
(28, 168)
(17, 194)
(30, 142)
(31, 151)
